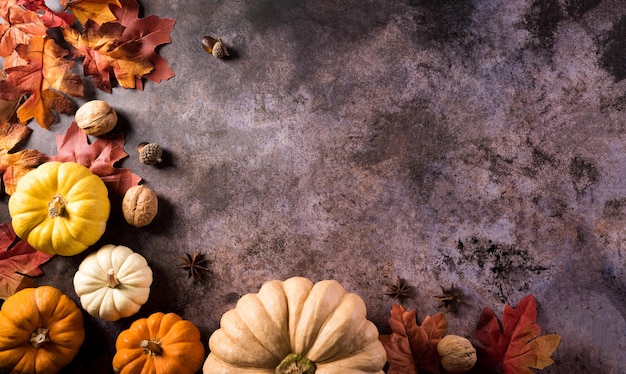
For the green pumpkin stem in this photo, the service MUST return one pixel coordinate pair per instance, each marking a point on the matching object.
(39, 337)
(56, 206)
(151, 347)
(295, 363)
(112, 280)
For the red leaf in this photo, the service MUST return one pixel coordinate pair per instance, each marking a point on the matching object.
(49, 17)
(516, 346)
(105, 57)
(151, 31)
(17, 258)
(411, 347)
(99, 157)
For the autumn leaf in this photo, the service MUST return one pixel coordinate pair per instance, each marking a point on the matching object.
(17, 259)
(8, 109)
(99, 157)
(15, 165)
(20, 25)
(411, 347)
(516, 346)
(151, 31)
(105, 58)
(49, 17)
(95, 10)
(46, 79)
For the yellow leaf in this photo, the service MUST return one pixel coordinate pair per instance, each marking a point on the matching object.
(95, 10)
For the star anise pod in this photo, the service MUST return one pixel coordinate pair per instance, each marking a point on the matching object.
(400, 290)
(194, 264)
(450, 298)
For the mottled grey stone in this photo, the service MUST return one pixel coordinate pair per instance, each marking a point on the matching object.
(471, 143)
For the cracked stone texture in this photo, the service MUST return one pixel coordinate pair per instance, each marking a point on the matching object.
(471, 143)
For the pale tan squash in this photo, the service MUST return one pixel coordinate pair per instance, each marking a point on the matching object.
(320, 326)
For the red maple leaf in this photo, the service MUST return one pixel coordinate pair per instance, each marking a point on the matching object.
(99, 157)
(151, 31)
(516, 346)
(17, 258)
(105, 57)
(411, 347)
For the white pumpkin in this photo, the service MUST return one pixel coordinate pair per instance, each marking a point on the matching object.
(113, 282)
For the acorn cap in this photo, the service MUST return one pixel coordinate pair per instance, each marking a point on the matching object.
(149, 153)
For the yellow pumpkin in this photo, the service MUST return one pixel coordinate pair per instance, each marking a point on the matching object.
(296, 326)
(41, 330)
(60, 208)
(159, 344)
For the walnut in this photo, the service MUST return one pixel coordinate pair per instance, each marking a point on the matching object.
(457, 354)
(140, 205)
(96, 117)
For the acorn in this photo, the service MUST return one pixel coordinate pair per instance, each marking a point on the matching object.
(149, 153)
(214, 46)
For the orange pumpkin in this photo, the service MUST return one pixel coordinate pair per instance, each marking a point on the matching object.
(41, 330)
(159, 344)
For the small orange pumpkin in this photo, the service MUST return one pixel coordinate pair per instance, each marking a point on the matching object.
(159, 344)
(41, 330)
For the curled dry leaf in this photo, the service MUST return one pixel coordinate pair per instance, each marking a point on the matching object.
(17, 258)
(516, 346)
(411, 347)
(100, 157)
(14, 165)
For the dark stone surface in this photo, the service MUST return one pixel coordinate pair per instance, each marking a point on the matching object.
(471, 143)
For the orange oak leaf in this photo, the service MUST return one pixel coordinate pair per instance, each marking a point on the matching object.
(15, 165)
(411, 347)
(99, 157)
(516, 346)
(46, 79)
(49, 17)
(152, 31)
(96, 10)
(17, 259)
(19, 26)
(105, 57)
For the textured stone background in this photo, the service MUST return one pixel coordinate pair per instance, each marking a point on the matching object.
(471, 143)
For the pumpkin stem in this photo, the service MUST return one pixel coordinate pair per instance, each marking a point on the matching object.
(151, 347)
(112, 280)
(39, 337)
(295, 363)
(56, 206)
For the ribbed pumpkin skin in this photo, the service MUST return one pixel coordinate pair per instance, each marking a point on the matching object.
(320, 321)
(183, 352)
(84, 216)
(131, 271)
(26, 311)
